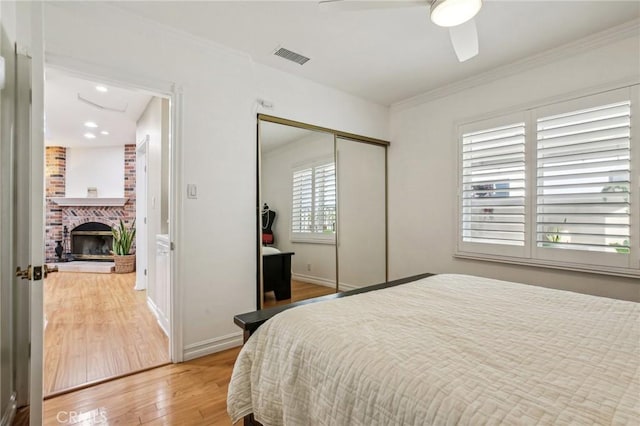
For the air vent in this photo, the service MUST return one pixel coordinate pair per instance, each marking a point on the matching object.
(291, 56)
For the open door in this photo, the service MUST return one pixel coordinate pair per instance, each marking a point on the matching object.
(22, 161)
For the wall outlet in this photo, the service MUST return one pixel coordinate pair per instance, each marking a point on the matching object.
(308, 267)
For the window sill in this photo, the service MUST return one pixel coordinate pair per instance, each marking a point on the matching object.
(326, 241)
(603, 270)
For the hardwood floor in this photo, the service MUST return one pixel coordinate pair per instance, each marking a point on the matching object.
(299, 291)
(191, 393)
(98, 327)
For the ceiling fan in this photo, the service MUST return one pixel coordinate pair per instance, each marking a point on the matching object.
(457, 15)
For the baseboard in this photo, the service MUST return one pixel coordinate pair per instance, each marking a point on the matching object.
(211, 346)
(322, 281)
(10, 412)
(347, 287)
(163, 321)
(313, 280)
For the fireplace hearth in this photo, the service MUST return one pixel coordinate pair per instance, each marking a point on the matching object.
(92, 241)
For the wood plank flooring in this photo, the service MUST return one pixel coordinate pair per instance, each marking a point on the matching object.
(299, 291)
(191, 393)
(98, 327)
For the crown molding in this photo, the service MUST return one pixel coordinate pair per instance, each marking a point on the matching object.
(603, 38)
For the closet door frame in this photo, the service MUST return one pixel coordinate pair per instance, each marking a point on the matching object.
(336, 134)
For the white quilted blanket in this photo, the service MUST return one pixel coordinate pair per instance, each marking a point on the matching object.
(449, 349)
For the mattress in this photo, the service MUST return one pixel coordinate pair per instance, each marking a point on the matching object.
(445, 350)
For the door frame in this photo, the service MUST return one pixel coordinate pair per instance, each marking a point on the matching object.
(172, 91)
(142, 152)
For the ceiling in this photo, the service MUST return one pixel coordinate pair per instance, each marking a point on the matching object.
(274, 135)
(66, 114)
(384, 54)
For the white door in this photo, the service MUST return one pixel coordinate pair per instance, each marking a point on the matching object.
(23, 198)
(142, 261)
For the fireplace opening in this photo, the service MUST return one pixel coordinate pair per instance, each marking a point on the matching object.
(92, 241)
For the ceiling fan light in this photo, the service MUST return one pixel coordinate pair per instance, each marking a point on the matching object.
(449, 13)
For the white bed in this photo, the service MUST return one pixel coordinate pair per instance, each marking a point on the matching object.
(448, 349)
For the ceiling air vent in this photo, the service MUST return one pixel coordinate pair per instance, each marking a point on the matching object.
(291, 56)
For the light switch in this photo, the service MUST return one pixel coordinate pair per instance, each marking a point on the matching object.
(192, 191)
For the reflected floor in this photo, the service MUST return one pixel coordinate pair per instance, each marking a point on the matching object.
(299, 291)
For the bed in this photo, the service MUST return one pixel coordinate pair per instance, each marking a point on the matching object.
(276, 272)
(446, 349)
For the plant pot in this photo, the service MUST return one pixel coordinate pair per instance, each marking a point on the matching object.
(124, 264)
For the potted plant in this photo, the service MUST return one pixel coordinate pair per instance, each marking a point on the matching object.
(123, 238)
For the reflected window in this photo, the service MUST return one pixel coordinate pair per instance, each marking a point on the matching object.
(313, 207)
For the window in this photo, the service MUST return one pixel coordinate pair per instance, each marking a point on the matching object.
(314, 202)
(493, 185)
(584, 179)
(557, 192)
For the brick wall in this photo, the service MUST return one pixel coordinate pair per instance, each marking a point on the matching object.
(57, 217)
(55, 171)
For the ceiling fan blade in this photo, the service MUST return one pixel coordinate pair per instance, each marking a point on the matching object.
(464, 38)
(347, 5)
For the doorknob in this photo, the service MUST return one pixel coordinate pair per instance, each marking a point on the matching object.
(24, 274)
(48, 270)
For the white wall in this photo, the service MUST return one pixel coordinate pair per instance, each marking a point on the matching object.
(216, 242)
(422, 167)
(99, 167)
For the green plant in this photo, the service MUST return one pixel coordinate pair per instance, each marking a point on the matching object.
(123, 238)
(621, 248)
(554, 236)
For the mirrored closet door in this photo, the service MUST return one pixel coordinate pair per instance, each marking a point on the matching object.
(321, 211)
(362, 214)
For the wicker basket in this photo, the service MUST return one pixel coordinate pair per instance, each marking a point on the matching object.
(125, 264)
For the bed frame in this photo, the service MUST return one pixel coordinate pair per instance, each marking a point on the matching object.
(249, 322)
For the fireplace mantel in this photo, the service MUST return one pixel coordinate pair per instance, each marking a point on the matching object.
(89, 201)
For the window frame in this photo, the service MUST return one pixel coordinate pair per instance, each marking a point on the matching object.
(597, 262)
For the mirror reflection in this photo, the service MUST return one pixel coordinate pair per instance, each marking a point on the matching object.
(322, 213)
(298, 194)
(362, 214)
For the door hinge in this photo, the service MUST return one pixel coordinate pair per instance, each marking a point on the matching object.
(29, 349)
(144, 220)
(145, 272)
(172, 246)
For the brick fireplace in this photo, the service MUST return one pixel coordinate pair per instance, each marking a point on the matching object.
(71, 216)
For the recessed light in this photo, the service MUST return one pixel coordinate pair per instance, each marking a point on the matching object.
(104, 132)
(90, 124)
(102, 89)
(89, 136)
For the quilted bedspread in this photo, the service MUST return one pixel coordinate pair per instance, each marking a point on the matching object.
(445, 350)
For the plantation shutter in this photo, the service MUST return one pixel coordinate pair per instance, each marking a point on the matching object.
(493, 186)
(325, 198)
(302, 205)
(584, 179)
(313, 211)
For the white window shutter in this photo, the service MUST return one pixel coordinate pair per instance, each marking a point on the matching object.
(493, 186)
(313, 210)
(302, 205)
(584, 180)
